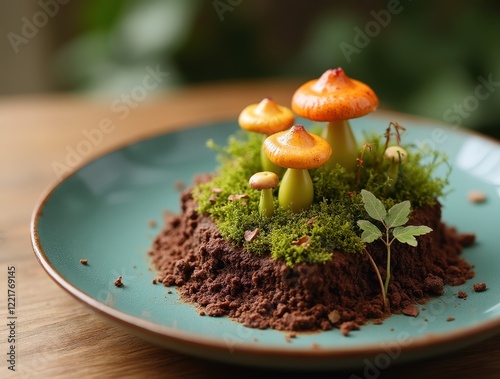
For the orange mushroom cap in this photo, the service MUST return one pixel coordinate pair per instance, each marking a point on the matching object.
(266, 117)
(297, 148)
(334, 96)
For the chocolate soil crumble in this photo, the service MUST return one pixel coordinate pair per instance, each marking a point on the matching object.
(272, 240)
(260, 292)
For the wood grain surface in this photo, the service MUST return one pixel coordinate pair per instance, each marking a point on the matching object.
(58, 337)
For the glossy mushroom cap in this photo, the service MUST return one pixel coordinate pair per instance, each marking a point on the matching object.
(297, 148)
(395, 154)
(263, 180)
(266, 117)
(334, 96)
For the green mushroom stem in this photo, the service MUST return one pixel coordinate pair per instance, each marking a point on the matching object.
(266, 203)
(296, 190)
(343, 143)
(265, 182)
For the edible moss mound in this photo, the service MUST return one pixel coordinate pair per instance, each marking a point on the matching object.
(329, 225)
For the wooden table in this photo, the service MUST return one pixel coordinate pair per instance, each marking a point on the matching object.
(57, 337)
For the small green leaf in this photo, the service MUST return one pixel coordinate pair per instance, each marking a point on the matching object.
(370, 231)
(407, 234)
(373, 206)
(398, 214)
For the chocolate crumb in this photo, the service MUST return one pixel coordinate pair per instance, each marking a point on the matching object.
(424, 308)
(348, 326)
(334, 316)
(411, 311)
(84, 261)
(169, 292)
(466, 239)
(290, 336)
(480, 287)
(450, 319)
(202, 313)
(118, 282)
(476, 196)
(154, 281)
(180, 185)
(462, 295)
(392, 329)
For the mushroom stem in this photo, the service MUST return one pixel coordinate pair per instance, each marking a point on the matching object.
(266, 204)
(265, 181)
(296, 190)
(343, 143)
(267, 165)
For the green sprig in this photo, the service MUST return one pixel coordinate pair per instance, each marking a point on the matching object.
(393, 229)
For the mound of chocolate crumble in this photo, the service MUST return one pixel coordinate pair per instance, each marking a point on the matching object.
(259, 292)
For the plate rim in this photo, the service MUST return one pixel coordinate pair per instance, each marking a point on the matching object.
(188, 340)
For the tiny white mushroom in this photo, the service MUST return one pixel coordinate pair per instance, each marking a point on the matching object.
(265, 181)
(396, 155)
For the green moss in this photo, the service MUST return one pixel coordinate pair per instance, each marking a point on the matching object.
(311, 236)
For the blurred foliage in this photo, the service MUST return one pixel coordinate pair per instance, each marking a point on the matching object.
(428, 59)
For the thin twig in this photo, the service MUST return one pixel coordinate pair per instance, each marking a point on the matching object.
(360, 159)
(379, 277)
(398, 130)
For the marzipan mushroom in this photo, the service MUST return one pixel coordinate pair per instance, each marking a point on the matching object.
(265, 181)
(396, 155)
(335, 98)
(266, 117)
(298, 151)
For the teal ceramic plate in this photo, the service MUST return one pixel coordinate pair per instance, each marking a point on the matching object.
(103, 211)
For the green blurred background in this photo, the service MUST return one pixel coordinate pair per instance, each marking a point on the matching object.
(438, 59)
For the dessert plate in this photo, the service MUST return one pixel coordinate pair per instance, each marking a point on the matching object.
(105, 212)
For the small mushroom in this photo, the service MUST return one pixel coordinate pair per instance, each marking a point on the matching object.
(298, 151)
(265, 181)
(266, 117)
(396, 155)
(335, 98)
